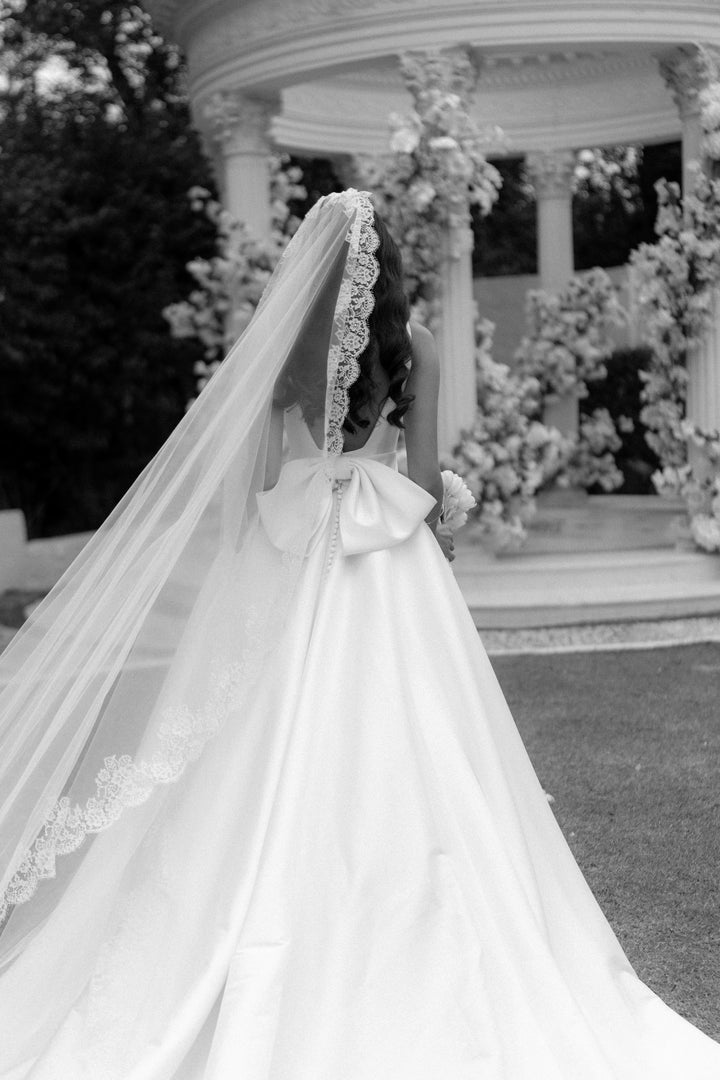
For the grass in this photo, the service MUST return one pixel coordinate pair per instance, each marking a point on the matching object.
(629, 745)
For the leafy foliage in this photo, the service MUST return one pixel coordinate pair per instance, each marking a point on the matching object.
(230, 284)
(505, 240)
(97, 155)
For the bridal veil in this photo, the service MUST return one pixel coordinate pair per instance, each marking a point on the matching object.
(96, 719)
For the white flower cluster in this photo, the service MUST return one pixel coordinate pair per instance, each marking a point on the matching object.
(592, 461)
(702, 498)
(675, 278)
(229, 285)
(568, 339)
(705, 531)
(508, 454)
(709, 99)
(458, 501)
(567, 345)
(437, 168)
(710, 119)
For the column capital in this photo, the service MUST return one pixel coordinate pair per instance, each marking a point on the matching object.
(551, 172)
(686, 71)
(237, 123)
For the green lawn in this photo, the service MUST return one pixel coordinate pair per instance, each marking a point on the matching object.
(629, 745)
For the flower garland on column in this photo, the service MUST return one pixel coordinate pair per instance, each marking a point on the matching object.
(709, 98)
(230, 284)
(675, 279)
(436, 170)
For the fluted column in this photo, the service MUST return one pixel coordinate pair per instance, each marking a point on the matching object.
(685, 74)
(552, 173)
(456, 340)
(238, 127)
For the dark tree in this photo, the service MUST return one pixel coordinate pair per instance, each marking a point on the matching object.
(96, 229)
(612, 215)
(505, 240)
(319, 178)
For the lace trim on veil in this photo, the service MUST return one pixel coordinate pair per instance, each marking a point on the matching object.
(354, 307)
(124, 782)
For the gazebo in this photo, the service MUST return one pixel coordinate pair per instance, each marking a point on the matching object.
(320, 77)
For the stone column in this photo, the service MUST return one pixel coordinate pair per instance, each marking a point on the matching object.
(238, 126)
(685, 75)
(456, 340)
(552, 173)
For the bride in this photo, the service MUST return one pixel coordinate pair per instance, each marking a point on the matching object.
(264, 813)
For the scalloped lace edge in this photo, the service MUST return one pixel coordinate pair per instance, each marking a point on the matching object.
(355, 305)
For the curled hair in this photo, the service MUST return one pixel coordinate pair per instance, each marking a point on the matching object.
(389, 345)
(388, 348)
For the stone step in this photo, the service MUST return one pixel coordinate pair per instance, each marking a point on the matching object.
(577, 587)
(605, 523)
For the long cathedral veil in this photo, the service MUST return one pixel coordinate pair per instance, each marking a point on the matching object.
(98, 718)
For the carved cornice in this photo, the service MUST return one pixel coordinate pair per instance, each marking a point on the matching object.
(555, 69)
(236, 122)
(510, 71)
(685, 71)
(551, 172)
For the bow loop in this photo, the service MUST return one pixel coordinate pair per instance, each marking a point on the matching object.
(379, 509)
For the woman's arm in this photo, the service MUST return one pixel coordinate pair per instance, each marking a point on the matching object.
(421, 424)
(421, 429)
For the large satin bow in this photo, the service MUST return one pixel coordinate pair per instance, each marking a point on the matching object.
(378, 507)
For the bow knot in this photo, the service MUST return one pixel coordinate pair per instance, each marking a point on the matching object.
(379, 509)
(338, 469)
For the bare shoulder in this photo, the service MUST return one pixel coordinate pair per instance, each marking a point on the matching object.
(424, 350)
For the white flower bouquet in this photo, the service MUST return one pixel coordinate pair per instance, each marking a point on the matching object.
(458, 500)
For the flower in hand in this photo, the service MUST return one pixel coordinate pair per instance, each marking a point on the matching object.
(457, 501)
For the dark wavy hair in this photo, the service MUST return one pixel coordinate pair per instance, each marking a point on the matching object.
(389, 345)
(388, 349)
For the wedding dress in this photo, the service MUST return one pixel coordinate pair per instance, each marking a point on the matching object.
(359, 878)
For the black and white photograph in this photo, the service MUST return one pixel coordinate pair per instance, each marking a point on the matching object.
(359, 540)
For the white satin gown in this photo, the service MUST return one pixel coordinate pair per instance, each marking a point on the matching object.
(363, 880)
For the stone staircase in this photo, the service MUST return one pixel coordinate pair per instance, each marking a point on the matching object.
(604, 560)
